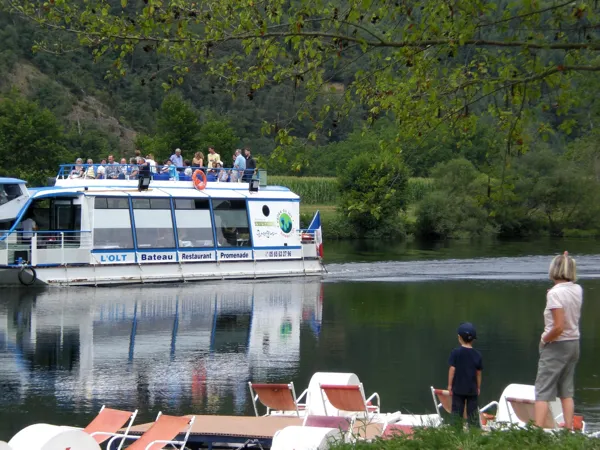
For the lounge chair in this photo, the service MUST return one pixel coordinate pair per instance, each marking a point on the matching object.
(524, 409)
(277, 398)
(443, 400)
(161, 433)
(102, 427)
(350, 398)
(108, 422)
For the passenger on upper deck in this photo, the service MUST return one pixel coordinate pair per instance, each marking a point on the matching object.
(239, 164)
(90, 172)
(198, 160)
(132, 169)
(101, 172)
(151, 162)
(233, 174)
(112, 169)
(176, 158)
(250, 165)
(144, 167)
(78, 170)
(170, 168)
(212, 174)
(187, 171)
(123, 169)
(223, 173)
(213, 157)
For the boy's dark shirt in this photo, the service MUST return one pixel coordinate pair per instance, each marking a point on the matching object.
(466, 362)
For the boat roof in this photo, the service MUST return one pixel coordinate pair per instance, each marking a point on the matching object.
(9, 180)
(161, 188)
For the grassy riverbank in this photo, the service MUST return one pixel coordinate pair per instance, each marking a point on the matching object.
(451, 439)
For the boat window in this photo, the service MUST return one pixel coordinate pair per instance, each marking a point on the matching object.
(153, 223)
(6, 225)
(9, 192)
(112, 223)
(231, 223)
(111, 203)
(194, 227)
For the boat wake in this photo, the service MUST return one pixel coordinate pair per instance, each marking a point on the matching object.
(522, 268)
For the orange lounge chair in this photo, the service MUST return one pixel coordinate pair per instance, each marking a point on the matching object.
(161, 433)
(108, 422)
(276, 397)
(443, 399)
(350, 398)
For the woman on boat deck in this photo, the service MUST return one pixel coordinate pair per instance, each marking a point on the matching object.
(559, 345)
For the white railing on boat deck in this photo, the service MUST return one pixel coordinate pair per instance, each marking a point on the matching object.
(46, 248)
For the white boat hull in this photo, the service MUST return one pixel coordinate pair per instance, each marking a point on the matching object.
(97, 275)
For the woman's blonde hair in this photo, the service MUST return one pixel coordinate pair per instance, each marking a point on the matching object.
(563, 267)
(199, 155)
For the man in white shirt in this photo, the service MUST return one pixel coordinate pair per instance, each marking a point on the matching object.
(151, 162)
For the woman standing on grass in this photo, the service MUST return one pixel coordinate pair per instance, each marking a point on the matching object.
(559, 346)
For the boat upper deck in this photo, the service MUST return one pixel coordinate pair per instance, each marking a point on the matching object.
(160, 186)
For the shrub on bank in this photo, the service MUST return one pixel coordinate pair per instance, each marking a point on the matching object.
(373, 194)
(450, 438)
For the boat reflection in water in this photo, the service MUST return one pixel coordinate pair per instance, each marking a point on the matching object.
(185, 349)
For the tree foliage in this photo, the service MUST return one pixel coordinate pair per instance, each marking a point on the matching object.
(177, 127)
(219, 134)
(30, 140)
(544, 193)
(428, 61)
(455, 207)
(373, 192)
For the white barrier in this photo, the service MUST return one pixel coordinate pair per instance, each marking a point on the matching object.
(305, 438)
(314, 401)
(42, 436)
(524, 391)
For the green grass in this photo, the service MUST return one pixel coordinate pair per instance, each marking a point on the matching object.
(452, 439)
(324, 190)
(312, 190)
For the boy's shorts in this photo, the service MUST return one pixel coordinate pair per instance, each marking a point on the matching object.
(556, 370)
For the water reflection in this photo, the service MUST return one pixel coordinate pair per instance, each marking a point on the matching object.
(196, 345)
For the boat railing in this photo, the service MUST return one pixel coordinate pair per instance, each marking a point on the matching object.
(45, 247)
(116, 172)
(307, 236)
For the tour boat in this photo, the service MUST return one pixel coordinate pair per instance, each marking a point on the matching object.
(96, 232)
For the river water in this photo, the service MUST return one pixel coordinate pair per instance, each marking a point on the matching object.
(386, 313)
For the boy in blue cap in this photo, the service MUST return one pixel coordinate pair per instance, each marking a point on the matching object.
(464, 376)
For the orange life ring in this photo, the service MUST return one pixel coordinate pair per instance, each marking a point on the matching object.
(199, 179)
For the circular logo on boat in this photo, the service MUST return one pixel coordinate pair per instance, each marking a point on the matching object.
(285, 222)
